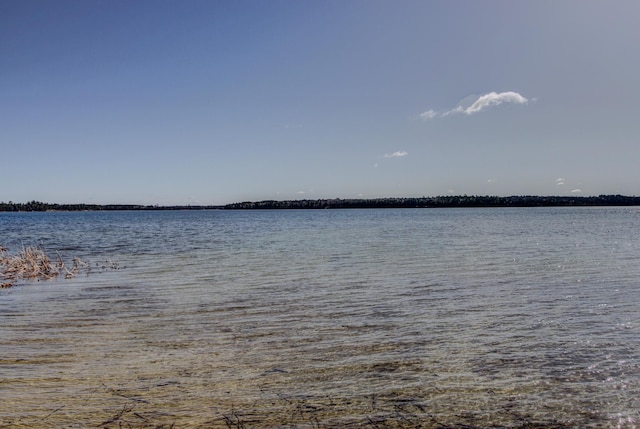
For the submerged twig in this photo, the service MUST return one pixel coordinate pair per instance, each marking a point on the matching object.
(127, 408)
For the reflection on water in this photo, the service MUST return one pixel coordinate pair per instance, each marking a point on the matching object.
(374, 318)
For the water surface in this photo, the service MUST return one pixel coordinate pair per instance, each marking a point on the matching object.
(329, 318)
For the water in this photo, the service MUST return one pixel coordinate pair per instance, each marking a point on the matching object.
(309, 319)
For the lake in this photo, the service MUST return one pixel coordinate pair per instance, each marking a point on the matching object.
(500, 317)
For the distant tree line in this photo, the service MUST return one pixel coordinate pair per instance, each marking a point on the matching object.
(338, 203)
(441, 201)
(37, 206)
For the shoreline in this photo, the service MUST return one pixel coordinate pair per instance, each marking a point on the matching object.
(462, 201)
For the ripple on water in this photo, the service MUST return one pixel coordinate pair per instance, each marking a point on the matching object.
(456, 318)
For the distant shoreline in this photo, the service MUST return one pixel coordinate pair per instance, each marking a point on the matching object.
(338, 203)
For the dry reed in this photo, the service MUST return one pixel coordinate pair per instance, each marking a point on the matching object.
(33, 263)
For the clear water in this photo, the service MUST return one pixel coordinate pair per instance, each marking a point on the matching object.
(354, 318)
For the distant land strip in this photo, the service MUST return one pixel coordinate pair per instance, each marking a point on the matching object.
(339, 203)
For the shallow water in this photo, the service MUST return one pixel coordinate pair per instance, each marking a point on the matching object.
(354, 318)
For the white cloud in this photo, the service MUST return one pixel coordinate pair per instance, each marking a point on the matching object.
(458, 109)
(472, 105)
(559, 181)
(429, 114)
(575, 191)
(398, 154)
(494, 99)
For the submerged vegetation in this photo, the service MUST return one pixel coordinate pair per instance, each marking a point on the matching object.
(391, 411)
(351, 203)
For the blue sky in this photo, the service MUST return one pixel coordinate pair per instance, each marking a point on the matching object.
(212, 102)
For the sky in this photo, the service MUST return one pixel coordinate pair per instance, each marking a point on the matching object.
(213, 102)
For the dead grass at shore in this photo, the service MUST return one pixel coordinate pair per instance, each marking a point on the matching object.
(32, 263)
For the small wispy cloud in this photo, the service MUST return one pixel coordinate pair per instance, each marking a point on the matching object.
(559, 181)
(429, 114)
(478, 104)
(398, 154)
(576, 191)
